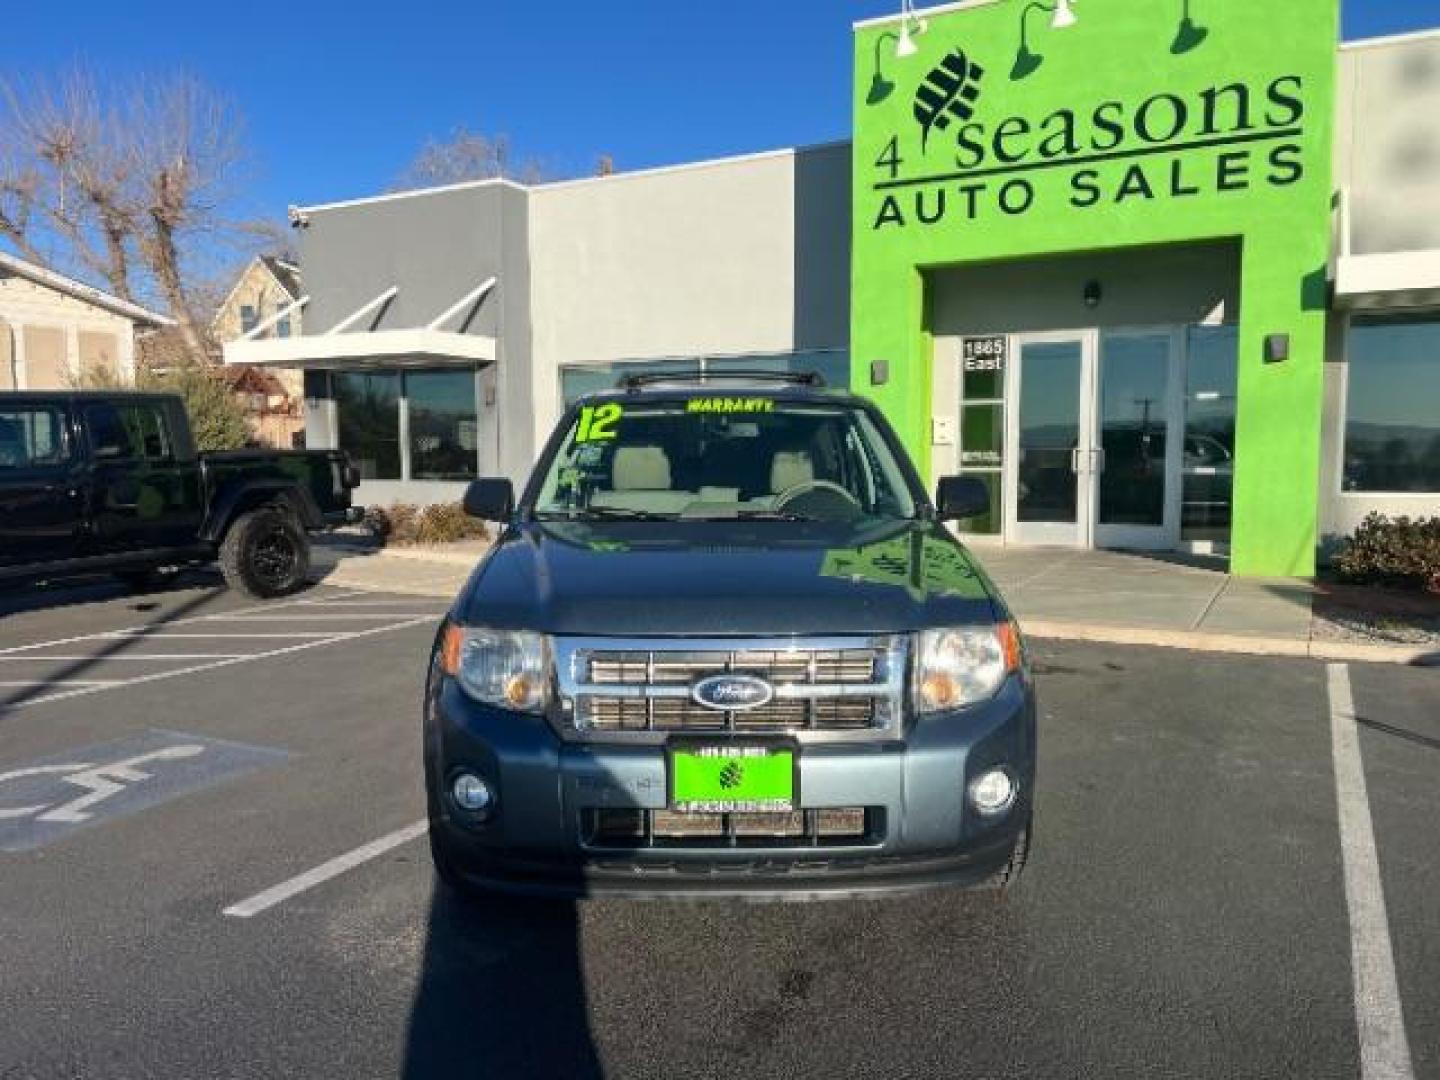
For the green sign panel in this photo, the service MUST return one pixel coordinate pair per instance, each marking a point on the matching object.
(1028, 129)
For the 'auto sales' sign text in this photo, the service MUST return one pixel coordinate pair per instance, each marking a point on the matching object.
(968, 162)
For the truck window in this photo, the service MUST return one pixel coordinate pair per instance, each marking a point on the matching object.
(31, 437)
(127, 432)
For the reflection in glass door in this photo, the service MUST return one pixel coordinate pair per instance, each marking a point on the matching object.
(1137, 460)
(1049, 498)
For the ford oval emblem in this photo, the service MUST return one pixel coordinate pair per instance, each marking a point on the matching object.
(732, 693)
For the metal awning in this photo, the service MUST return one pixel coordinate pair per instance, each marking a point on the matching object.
(1402, 279)
(1381, 280)
(342, 348)
(375, 348)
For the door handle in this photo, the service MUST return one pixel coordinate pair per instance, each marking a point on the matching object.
(1075, 460)
(1099, 459)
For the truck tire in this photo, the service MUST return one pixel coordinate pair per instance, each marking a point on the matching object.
(265, 554)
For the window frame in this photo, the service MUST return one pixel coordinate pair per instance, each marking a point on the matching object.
(159, 411)
(62, 415)
(402, 404)
(1342, 416)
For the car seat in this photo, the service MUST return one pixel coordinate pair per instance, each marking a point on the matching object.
(640, 480)
(790, 468)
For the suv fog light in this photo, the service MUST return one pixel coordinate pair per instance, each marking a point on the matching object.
(992, 792)
(471, 793)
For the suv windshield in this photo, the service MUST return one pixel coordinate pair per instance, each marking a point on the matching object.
(723, 458)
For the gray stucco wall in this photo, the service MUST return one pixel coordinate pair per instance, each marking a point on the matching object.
(748, 255)
(1388, 143)
(435, 246)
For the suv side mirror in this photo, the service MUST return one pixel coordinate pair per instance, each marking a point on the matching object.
(961, 497)
(490, 499)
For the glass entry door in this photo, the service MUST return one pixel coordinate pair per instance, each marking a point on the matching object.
(1049, 496)
(1093, 450)
(1138, 454)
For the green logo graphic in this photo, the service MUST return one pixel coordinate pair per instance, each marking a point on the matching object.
(732, 776)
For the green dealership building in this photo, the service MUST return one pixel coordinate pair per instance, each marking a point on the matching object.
(1165, 276)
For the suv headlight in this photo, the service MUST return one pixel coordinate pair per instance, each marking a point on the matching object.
(506, 668)
(955, 668)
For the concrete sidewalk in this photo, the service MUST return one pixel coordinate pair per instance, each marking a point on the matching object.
(1106, 596)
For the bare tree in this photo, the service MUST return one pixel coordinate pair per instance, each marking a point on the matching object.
(467, 155)
(133, 183)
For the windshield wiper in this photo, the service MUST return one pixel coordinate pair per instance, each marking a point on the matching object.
(611, 513)
(773, 515)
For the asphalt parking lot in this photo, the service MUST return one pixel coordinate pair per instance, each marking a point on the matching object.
(167, 759)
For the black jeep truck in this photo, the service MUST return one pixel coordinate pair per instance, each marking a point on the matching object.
(726, 645)
(104, 482)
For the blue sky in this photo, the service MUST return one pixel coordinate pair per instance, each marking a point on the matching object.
(338, 96)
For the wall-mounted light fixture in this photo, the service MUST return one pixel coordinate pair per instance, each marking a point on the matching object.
(880, 87)
(1093, 294)
(1189, 35)
(911, 25)
(1062, 17)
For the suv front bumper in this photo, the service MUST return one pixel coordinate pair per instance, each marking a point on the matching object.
(535, 839)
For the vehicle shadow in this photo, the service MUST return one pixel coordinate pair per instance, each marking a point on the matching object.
(501, 992)
(52, 596)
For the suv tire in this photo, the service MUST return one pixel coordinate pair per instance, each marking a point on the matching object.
(1008, 876)
(265, 554)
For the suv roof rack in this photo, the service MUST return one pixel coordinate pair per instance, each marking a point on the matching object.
(788, 378)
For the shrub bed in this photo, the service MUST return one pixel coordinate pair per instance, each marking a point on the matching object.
(404, 525)
(1401, 551)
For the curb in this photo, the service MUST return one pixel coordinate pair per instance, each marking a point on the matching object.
(1198, 641)
(467, 559)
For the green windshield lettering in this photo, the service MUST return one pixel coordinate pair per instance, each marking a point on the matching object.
(730, 405)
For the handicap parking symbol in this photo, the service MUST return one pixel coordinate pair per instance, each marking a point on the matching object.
(43, 800)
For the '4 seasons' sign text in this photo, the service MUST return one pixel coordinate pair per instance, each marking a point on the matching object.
(1225, 138)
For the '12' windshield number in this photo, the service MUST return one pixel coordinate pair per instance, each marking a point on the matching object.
(597, 422)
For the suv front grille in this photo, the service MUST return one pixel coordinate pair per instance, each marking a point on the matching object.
(626, 829)
(849, 684)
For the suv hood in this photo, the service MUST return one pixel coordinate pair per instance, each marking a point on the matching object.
(751, 578)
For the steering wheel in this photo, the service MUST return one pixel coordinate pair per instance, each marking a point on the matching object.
(809, 487)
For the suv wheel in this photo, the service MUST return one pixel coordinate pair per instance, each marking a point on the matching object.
(1009, 874)
(265, 554)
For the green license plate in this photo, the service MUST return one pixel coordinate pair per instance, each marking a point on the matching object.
(732, 779)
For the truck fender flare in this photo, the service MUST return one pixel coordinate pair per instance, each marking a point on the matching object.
(243, 497)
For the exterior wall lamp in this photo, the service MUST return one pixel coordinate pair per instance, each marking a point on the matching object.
(1189, 36)
(910, 25)
(881, 87)
(1027, 61)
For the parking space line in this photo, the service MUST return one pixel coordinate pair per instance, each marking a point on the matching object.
(119, 656)
(17, 684)
(158, 635)
(324, 872)
(327, 639)
(1380, 1021)
(273, 605)
(327, 617)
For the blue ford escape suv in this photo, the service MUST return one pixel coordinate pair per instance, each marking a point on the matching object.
(726, 645)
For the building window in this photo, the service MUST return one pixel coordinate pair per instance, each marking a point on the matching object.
(1208, 480)
(282, 328)
(1392, 406)
(982, 426)
(249, 318)
(367, 410)
(443, 428)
